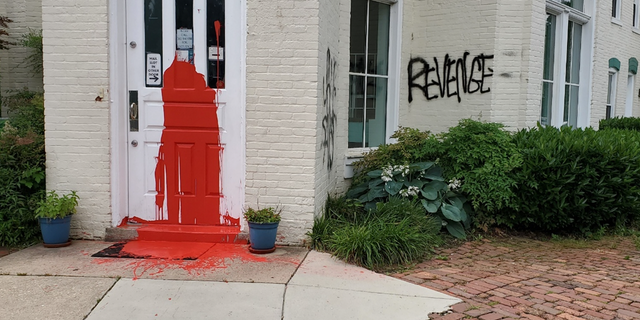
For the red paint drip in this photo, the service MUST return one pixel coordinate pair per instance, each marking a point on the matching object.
(219, 83)
(188, 164)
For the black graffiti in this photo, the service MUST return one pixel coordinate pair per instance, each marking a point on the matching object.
(329, 120)
(451, 78)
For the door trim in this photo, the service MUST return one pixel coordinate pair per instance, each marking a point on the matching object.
(119, 186)
(117, 102)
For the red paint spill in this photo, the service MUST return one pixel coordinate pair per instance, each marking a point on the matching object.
(166, 249)
(216, 257)
(219, 83)
(188, 164)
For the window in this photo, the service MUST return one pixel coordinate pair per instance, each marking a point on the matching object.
(636, 6)
(567, 45)
(611, 94)
(372, 72)
(628, 107)
(615, 9)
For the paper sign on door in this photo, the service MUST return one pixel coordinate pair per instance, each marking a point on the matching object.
(154, 70)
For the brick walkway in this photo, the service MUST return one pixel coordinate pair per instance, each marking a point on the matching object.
(528, 279)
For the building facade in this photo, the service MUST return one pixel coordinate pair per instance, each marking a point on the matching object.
(186, 111)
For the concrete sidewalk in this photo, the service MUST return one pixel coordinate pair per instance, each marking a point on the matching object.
(226, 283)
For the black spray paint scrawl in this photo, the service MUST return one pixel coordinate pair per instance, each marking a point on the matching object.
(330, 118)
(451, 79)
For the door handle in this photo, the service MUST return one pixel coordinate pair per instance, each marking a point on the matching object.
(133, 111)
(134, 143)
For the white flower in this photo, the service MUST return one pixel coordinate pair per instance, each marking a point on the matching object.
(413, 191)
(404, 193)
(454, 184)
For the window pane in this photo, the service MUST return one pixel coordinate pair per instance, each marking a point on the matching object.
(378, 38)
(574, 43)
(356, 111)
(547, 100)
(609, 88)
(184, 30)
(549, 47)
(571, 105)
(215, 43)
(376, 112)
(153, 42)
(358, 35)
(614, 8)
(576, 4)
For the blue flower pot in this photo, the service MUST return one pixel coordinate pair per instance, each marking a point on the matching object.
(55, 231)
(263, 235)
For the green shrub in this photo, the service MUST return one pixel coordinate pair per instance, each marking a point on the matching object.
(412, 146)
(483, 156)
(33, 40)
(620, 123)
(420, 181)
(22, 171)
(575, 181)
(395, 232)
(264, 215)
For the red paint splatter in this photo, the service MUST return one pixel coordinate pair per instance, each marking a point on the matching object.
(188, 164)
(219, 83)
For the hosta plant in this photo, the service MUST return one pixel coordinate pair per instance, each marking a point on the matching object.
(422, 181)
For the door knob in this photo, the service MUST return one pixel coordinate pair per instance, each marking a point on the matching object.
(132, 44)
(134, 143)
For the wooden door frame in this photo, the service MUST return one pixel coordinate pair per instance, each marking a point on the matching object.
(117, 96)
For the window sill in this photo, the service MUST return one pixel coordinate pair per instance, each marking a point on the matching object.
(616, 21)
(636, 30)
(351, 156)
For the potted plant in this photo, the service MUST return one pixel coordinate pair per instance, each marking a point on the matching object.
(54, 214)
(263, 227)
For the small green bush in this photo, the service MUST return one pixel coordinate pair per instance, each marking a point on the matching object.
(55, 206)
(628, 123)
(483, 156)
(396, 232)
(412, 146)
(420, 181)
(264, 215)
(22, 169)
(575, 181)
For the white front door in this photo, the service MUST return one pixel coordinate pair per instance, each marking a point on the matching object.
(186, 111)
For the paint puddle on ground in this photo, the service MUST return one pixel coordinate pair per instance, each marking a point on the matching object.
(215, 256)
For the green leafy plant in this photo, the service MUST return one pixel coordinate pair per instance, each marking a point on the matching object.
(483, 156)
(264, 215)
(4, 25)
(422, 181)
(55, 206)
(576, 181)
(628, 123)
(22, 160)
(33, 40)
(395, 232)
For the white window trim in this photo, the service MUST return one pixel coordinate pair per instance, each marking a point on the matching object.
(393, 76)
(616, 18)
(564, 14)
(628, 107)
(614, 89)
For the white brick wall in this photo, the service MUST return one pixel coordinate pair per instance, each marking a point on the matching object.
(77, 127)
(282, 104)
(14, 73)
(437, 28)
(619, 41)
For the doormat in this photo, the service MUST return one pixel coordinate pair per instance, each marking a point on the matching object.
(155, 250)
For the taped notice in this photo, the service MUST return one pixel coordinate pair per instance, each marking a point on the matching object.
(154, 69)
(184, 39)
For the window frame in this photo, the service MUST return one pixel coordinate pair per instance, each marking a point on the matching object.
(616, 12)
(628, 107)
(393, 75)
(612, 89)
(564, 14)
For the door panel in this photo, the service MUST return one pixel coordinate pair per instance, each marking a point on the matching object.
(186, 158)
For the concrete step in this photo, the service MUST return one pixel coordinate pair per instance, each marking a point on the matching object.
(177, 233)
